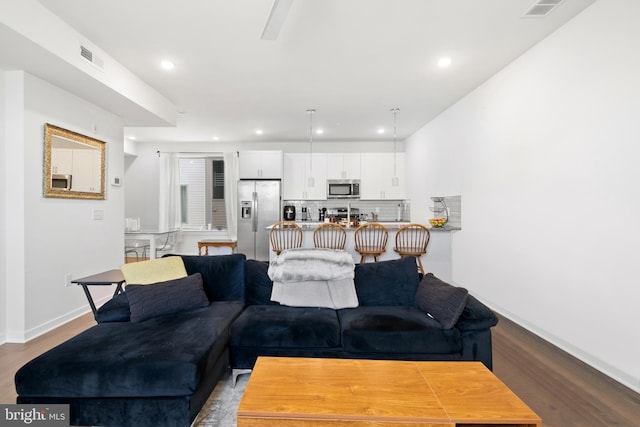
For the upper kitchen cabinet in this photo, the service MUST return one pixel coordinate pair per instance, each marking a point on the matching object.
(343, 166)
(260, 164)
(86, 171)
(62, 161)
(297, 173)
(376, 181)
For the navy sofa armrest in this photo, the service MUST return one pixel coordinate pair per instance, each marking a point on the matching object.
(476, 316)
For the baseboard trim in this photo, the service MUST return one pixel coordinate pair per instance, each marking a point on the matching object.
(607, 369)
(52, 324)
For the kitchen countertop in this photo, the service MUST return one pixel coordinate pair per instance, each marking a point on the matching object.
(390, 225)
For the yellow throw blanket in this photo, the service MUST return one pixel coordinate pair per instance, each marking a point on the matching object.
(154, 271)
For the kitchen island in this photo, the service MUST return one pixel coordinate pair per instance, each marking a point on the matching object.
(437, 260)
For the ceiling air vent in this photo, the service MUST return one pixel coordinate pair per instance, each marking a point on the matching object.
(541, 8)
(95, 60)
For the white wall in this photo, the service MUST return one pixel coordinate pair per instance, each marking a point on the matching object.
(48, 238)
(3, 221)
(545, 157)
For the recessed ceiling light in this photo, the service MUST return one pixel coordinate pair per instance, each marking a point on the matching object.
(380, 131)
(259, 132)
(167, 65)
(319, 131)
(216, 138)
(132, 138)
(444, 62)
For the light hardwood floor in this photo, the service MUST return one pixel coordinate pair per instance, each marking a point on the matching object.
(563, 391)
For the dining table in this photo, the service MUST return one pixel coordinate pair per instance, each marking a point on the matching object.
(151, 235)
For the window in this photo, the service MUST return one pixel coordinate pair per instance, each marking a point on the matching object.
(202, 200)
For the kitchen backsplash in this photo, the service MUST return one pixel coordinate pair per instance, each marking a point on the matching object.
(386, 209)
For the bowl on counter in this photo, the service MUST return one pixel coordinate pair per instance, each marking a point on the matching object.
(437, 222)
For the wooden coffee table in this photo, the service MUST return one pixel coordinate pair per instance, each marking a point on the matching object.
(307, 392)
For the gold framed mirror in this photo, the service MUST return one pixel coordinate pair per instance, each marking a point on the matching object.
(73, 165)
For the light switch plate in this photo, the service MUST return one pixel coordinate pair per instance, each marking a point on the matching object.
(97, 214)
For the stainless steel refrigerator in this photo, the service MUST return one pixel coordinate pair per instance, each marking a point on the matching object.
(258, 207)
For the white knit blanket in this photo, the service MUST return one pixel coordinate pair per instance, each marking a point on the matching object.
(313, 278)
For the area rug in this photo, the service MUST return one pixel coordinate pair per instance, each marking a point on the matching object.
(221, 408)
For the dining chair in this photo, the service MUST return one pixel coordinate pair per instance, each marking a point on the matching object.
(166, 242)
(412, 240)
(371, 240)
(285, 235)
(132, 246)
(330, 235)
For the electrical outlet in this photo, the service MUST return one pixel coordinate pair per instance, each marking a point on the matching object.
(67, 279)
(377, 210)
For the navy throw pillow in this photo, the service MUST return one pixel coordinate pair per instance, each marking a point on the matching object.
(114, 310)
(172, 296)
(387, 283)
(440, 300)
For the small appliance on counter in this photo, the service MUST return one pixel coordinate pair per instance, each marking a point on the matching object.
(289, 213)
(322, 213)
(305, 216)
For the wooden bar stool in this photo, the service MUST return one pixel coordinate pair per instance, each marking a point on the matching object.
(412, 240)
(285, 235)
(330, 236)
(371, 240)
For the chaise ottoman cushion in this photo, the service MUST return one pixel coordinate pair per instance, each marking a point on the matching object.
(163, 356)
(271, 326)
(395, 330)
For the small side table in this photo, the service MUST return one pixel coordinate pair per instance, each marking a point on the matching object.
(106, 278)
(203, 246)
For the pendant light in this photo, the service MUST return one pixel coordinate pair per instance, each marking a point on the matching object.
(395, 181)
(310, 181)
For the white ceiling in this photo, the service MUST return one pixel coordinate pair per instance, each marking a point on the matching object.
(351, 60)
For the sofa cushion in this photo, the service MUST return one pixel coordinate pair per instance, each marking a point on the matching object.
(258, 284)
(153, 271)
(286, 327)
(160, 299)
(387, 283)
(164, 356)
(223, 275)
(395, 330)
(114, 310)
(440, 300)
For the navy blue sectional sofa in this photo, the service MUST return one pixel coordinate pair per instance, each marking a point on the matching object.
(160, 371)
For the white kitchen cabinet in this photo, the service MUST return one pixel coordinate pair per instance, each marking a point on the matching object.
(260, 164)
(376, 181)
(343, 166)
(61, 161)
(298, 170)
(86, 173)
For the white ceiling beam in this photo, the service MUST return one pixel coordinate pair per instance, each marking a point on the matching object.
(276, 19)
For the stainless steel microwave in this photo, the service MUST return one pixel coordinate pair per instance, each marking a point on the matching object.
(61, 182)
(343, 189)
